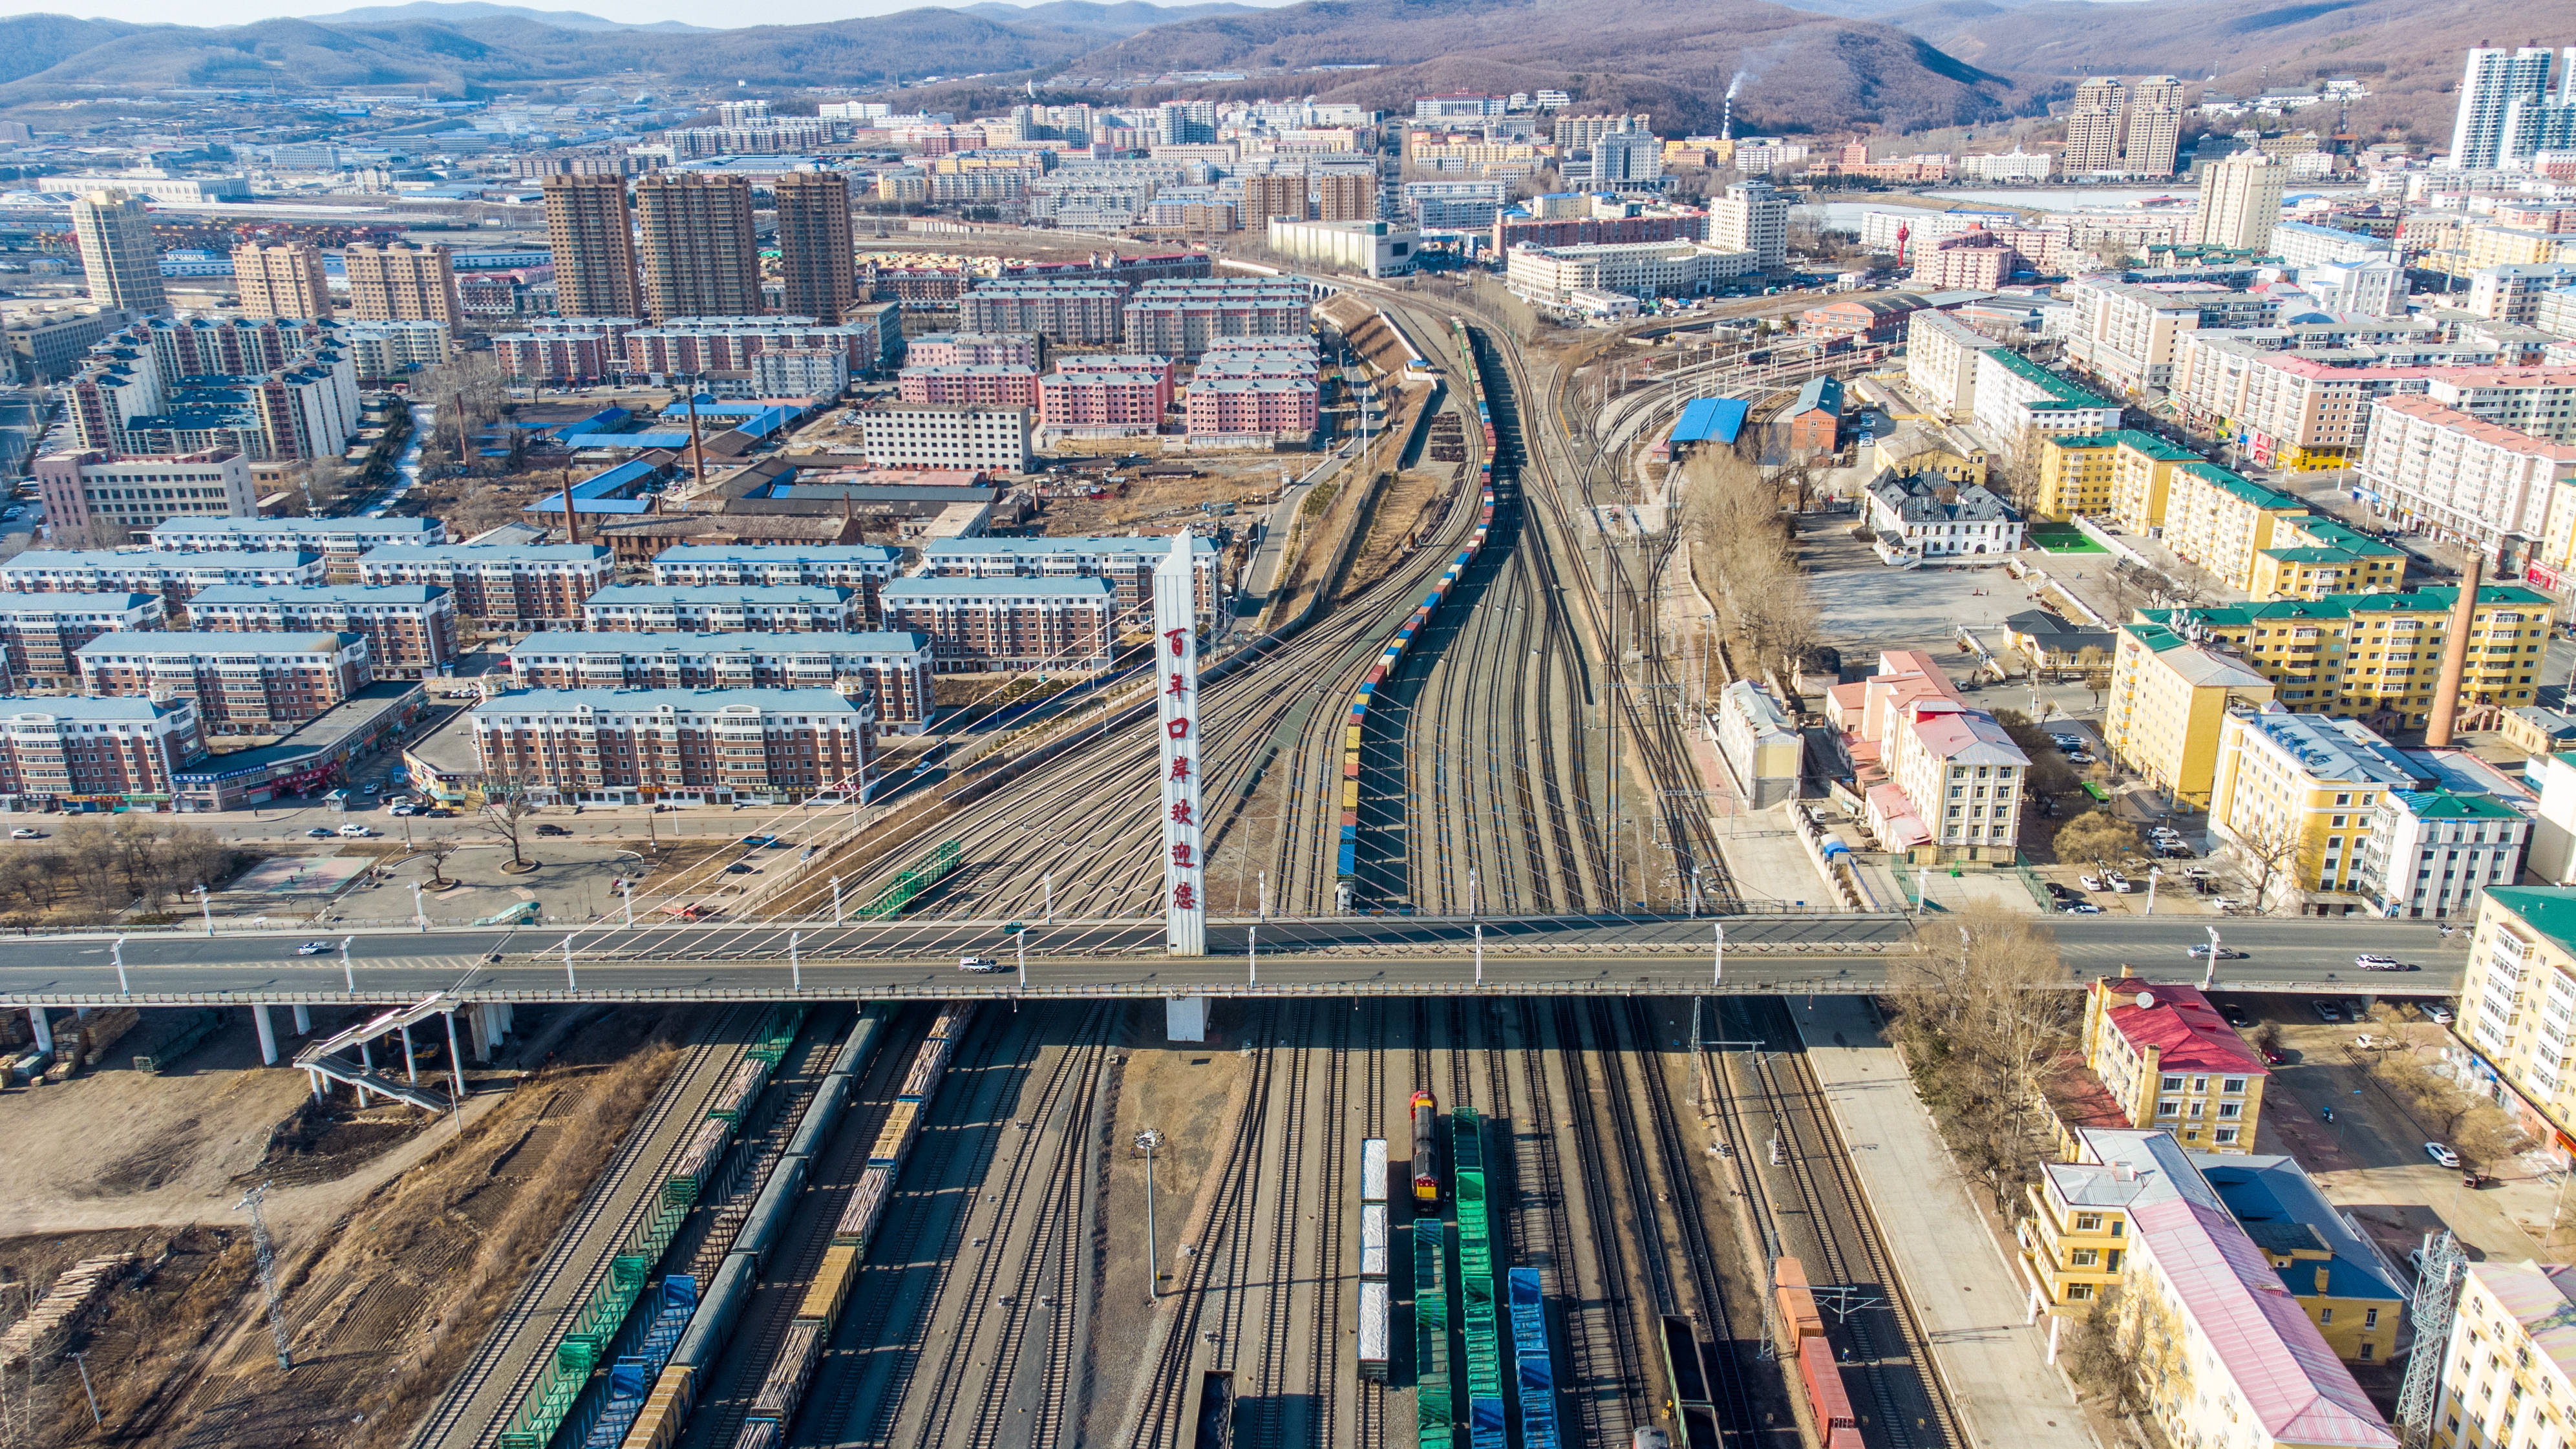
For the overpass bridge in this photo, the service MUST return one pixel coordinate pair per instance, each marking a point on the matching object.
(1338, 956)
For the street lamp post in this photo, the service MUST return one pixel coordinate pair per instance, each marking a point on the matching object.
(2210, 976)
(419, 912)
(206, 904)
(1252, 955)
(795, 960)
(1147, 1141)
(118, 951)
(1717, 966)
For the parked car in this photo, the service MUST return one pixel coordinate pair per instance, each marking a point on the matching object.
(2438, 1014)
(2079, 908)
(2057, 891)
(317, 833)
(2236, 1015)
(553, 830)
(404, 810)
(2081, 757)
(356, 832)
(2328, 1011)
(978, 964)
(2117, 882)
(2067, 742)
(2090, 882)
(2442, 1154)
(756, 841)
(2374, 963)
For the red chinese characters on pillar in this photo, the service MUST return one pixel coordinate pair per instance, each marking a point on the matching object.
(1178, 728)
(1180, 685)
(1183, 856)
(1185, 897)
(1182, 814)
(1180, 767)
(1179, 640)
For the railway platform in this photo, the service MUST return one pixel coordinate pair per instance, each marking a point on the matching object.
(1970, 1303)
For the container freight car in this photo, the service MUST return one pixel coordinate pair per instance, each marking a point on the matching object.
(1373, 1244)
(1535, 1368)
(1433, 1402)
(632, 1380)
(1479, 1320)
(1799, 1320)
(866, 1206)
(666, 1409)
(1426, 1152)
(1825, 1396)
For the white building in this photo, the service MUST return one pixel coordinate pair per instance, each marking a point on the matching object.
(1761, 742)
(947, 435)
(801, 372)
(2375, 286)
(2306, 244)
(1372, 248)
(1551, 276)
(2017, 399)
(1928, 516)
(2509, 1351)
(2014, 165)
(1941, 363)
(1753, 217)
(2430, 852)
(2471, 479)
(382, 349)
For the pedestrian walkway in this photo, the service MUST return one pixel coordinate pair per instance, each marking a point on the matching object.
(1965, 1293)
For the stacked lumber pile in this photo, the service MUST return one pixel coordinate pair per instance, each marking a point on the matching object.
(62, 1308)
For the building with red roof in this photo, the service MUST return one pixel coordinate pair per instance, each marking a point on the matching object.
(2173, 1063)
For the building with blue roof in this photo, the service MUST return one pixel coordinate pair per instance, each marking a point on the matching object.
(1706, 420)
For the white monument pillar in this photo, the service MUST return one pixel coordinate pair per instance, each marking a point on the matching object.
(1176, 656)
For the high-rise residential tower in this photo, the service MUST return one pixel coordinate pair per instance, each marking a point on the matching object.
(591, 227)
(117, 252)
(2495, 82)
(701, 257)
(401, 282)
(2116, 126)
(1281, 193)
(281, 279)
(815, 259)
(1752, 216)
(2240, 202)
(1346, 196)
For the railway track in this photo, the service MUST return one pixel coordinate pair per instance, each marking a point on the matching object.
(476, 1405)
(1158, 1421)
(1827, 1216)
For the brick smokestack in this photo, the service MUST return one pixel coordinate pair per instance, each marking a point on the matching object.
(572, 520)
(2455, 656)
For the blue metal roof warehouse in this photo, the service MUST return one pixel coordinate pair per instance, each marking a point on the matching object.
(1711, 420)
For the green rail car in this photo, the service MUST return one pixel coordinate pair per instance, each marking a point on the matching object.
(904, 889)
(1431, 1392)
(1478, 1319)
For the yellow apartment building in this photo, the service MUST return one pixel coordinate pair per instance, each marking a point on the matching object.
(2220, 521)
(2518, 1006)
(2375, 656)
(2142, 471)
(2074, 476)
(2079, 1230)
(2296, 793)
(2173, 1063)
(2312, 557)
(2168, 697)
(2509, 1365)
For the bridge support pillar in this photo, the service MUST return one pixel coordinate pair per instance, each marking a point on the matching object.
(1185, 1018)
(43, 1029)
(303, 1019)
(267, 1033)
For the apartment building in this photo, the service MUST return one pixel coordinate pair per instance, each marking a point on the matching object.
(724, 348)
(2431, 852)
(1277, 408)
(863, 567)
(1127, 561)
(2296, 796)
(402, 282)
(1180, 320)
(103, 498)
(174, 577)
(2509, 1352)
(2142, 474)
(977, 349)
(41, 634)
(2079, 1231)
(2127, 333)
(2173, 1064)
(119, 258)
(2483, 483)
(566, 357)
(2540, 401)
(2312, 557)
(2080, 474)
(894, 670)
(390, 349)
(947, 435)
(340, 541)
(1067, 311)
(281, 279)
(2375, 656)
(75, 751)
(1753, 217)
(2262, 542)
(814, 244)
(2513, 294)
(996, 384)
(1011, 624)
(1942, 780)
(241, 684)
(2303, 244)
(1941, 364)
(1102, 403)
(410, 629)
(499, 583)
(590, 235)
(2019, 402)
(2240, 202)
(2518, 1009)
(724, 609)
(2167, 701)
(677, 746)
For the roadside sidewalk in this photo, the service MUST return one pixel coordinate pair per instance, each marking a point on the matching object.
(1965, 1293)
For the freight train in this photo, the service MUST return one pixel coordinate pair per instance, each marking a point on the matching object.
(1346, 861)
(782, 1390)
(1802, 1329)
(1426, 1149)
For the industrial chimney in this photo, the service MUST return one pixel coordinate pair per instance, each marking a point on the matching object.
(2455, 656)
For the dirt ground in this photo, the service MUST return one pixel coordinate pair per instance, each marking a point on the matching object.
(383, 1301)
(1247, 480)
(1404, 508)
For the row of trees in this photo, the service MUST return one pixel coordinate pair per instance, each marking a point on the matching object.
(1741, 548)
(97, 867)
(1980, 1013)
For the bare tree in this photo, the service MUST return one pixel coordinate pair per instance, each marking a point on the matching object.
(2271, 849)
(438, 848)
(506, 812)
(1977, 1009)
(2102, 1353)
(2094, 835)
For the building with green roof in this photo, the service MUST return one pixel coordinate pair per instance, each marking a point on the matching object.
(2375, 657)
(2431, 851)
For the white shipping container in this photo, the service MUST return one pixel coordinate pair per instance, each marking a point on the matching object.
(1372, 1329)
(1372, 1240)
(1373, 1169)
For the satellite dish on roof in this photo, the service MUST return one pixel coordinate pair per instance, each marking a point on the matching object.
(2146, 1001)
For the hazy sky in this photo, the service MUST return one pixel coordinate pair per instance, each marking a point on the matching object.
(693, 12)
